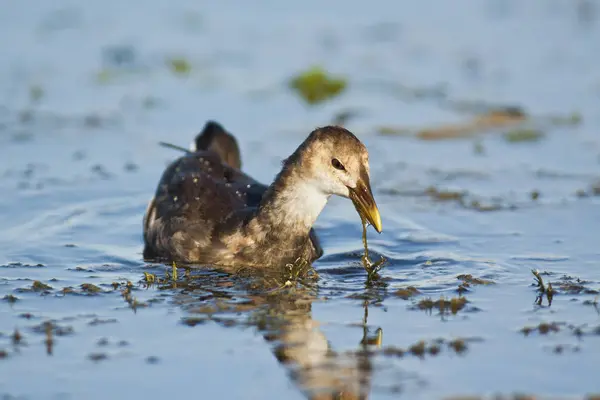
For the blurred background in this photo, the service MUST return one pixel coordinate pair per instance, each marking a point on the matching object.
(482, 123)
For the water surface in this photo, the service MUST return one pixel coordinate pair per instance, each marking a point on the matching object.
(86, 92)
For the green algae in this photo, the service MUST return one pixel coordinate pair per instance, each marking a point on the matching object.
(315, 85)
(179, 66)
(38, 286)
(523, 135)
(90, 288)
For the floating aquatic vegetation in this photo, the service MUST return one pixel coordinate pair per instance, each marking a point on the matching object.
(471, 280)
(572, 285)
(371, 267)
(566, 285)
(174, 271)
(491, 119)
(542, 289)
(56, 329)
(315, 85)
(468, 280)
(454, 305)
(535, 194)
(407, 292)
(150, 278)
(21, 265)
(394, 131)
(465, 199)
(10, 298)
(98, 321)
(179, 66)
(133, 303)
(90, 288)
(543, 328)
(523, 135)
(523, 127)
(444, 195)
(300, 273)
(38, 286)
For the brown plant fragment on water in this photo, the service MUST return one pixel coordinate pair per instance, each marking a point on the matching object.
(90, 288)
(499, 118)
(543, 328)
(407, 292)
(38, 286)
(471, 280)
(455, 304)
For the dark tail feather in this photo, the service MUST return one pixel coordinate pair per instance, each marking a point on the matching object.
(215, 138)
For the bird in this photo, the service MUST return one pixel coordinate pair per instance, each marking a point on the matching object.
(206, 211)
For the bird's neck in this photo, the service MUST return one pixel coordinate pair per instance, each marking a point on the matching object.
(293, 202)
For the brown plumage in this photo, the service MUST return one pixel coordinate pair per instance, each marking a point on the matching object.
(215, 138)
(207, 211)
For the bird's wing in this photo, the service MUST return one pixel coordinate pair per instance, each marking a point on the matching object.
(195, 193)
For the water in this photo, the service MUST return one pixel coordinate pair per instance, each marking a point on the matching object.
(80, 163)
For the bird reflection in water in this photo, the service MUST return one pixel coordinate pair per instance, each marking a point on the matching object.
(281, 310)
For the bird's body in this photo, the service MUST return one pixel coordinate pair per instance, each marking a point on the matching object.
(209, 212)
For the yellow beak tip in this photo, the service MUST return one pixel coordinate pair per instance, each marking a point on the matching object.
(378, 227)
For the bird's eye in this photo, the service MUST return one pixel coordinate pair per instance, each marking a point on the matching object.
(337, 164)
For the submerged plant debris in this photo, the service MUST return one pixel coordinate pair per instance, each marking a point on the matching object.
(573, 285)
(315, 85)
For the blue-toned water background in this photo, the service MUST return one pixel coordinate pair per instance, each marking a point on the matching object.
(87, 92)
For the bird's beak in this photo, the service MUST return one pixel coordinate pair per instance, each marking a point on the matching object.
(362, 198)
